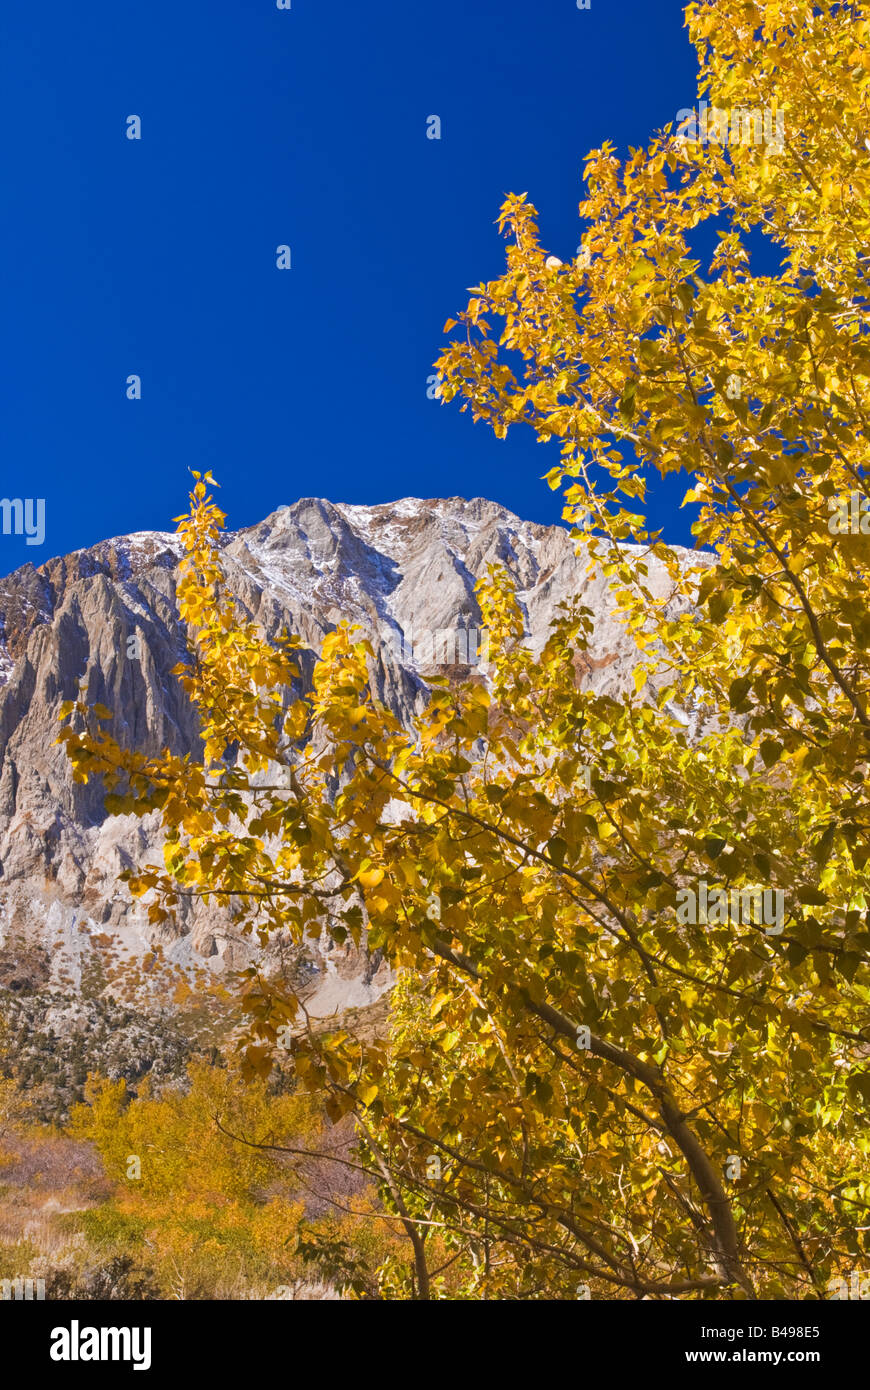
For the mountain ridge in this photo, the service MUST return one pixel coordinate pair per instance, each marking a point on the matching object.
(392, 568)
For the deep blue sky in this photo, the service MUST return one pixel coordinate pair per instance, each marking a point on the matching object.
(306, 127)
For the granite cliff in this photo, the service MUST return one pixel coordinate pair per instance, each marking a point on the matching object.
(403, 571)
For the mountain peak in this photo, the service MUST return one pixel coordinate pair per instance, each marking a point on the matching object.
(404, 571)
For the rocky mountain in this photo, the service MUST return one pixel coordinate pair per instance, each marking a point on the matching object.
(404, 571)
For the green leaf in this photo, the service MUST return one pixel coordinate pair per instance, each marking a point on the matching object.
(813, 897)
(770, 751)
(557, 849)
(738, 690)
(719, 604)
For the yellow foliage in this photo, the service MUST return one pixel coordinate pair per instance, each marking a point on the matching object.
(584, 1081)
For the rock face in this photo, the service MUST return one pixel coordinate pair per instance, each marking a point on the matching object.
(404, 571)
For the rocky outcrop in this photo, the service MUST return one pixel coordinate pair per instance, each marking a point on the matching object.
(405, 572)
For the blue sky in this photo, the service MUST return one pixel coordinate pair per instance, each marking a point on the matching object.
(304, 127)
